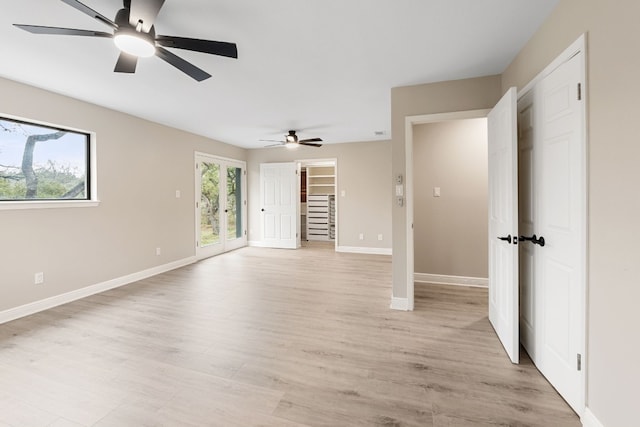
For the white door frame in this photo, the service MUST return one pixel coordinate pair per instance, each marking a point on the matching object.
(410, 121)
(224, 162)
(325, 162)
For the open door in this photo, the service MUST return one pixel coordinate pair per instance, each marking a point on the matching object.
(503, 223)
(279, 209)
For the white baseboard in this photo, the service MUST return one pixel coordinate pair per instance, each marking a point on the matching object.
(45, 304)
(362, 250)
(440, 279)
(590, 420)
(257, 244)
(400, 304)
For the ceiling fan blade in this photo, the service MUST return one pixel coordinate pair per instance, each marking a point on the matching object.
(182, 65)
(271, 140)
(229, 50)
(310, 144)
(145, 11)
(282, 144)
(38, 29)
(310, 140)
(126, 63)
(92, 13)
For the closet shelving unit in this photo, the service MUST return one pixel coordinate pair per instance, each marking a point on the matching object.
(321, 202)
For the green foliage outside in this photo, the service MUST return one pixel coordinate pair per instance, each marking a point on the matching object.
(210, 203)
(54, 181)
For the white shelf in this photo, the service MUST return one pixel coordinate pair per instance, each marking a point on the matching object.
(320, 201)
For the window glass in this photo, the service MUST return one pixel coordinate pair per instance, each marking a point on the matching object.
(42, 163)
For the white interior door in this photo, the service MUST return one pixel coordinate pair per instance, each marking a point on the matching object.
(560, 171)
(279, 196)
(221, 220)
(503, 223)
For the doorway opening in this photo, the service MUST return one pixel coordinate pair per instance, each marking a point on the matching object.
(410, 123)
(450, 201)
(318, 204)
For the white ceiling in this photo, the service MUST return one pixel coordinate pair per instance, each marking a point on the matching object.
(323, 67)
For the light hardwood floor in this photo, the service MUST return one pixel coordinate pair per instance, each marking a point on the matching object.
(263, 337)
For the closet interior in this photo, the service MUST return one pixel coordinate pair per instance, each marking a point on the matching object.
(318, 201)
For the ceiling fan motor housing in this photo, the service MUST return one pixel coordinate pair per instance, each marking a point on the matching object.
(134, 34)
(292, 137)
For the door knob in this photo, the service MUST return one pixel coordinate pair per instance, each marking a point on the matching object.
(262, 209)
(506, 239)
(533, 239)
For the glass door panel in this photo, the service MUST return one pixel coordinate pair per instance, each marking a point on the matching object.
(234, 203)
(209, 204)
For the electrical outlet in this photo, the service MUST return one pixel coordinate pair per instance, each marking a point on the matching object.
(178, 194)
(379, 236)
(361, 236)
(38, 278)
(158, 251)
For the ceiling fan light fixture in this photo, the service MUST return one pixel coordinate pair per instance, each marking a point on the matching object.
(291, 145)
(135, 43)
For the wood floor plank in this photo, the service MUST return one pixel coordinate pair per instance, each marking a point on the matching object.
(267, 337)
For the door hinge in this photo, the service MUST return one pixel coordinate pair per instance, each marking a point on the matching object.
(245, 232)
(579, 362)
(579, 91)
(197, 166)
(197, 205)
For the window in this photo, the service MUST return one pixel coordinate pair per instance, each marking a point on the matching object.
(41, 163)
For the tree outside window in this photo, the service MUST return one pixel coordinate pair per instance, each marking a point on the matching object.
(42, 163)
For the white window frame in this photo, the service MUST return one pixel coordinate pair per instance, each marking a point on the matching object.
(48, 204)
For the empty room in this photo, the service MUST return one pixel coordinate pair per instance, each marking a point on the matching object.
(218, 213)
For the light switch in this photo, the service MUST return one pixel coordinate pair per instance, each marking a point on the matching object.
(343, 193)
(436, 191)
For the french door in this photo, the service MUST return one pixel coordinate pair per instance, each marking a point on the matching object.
(220, 205)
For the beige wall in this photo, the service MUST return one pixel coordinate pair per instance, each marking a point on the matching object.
(613, 86)
(450, 231)
(364, 173)
(459, 95)
(140, 166)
